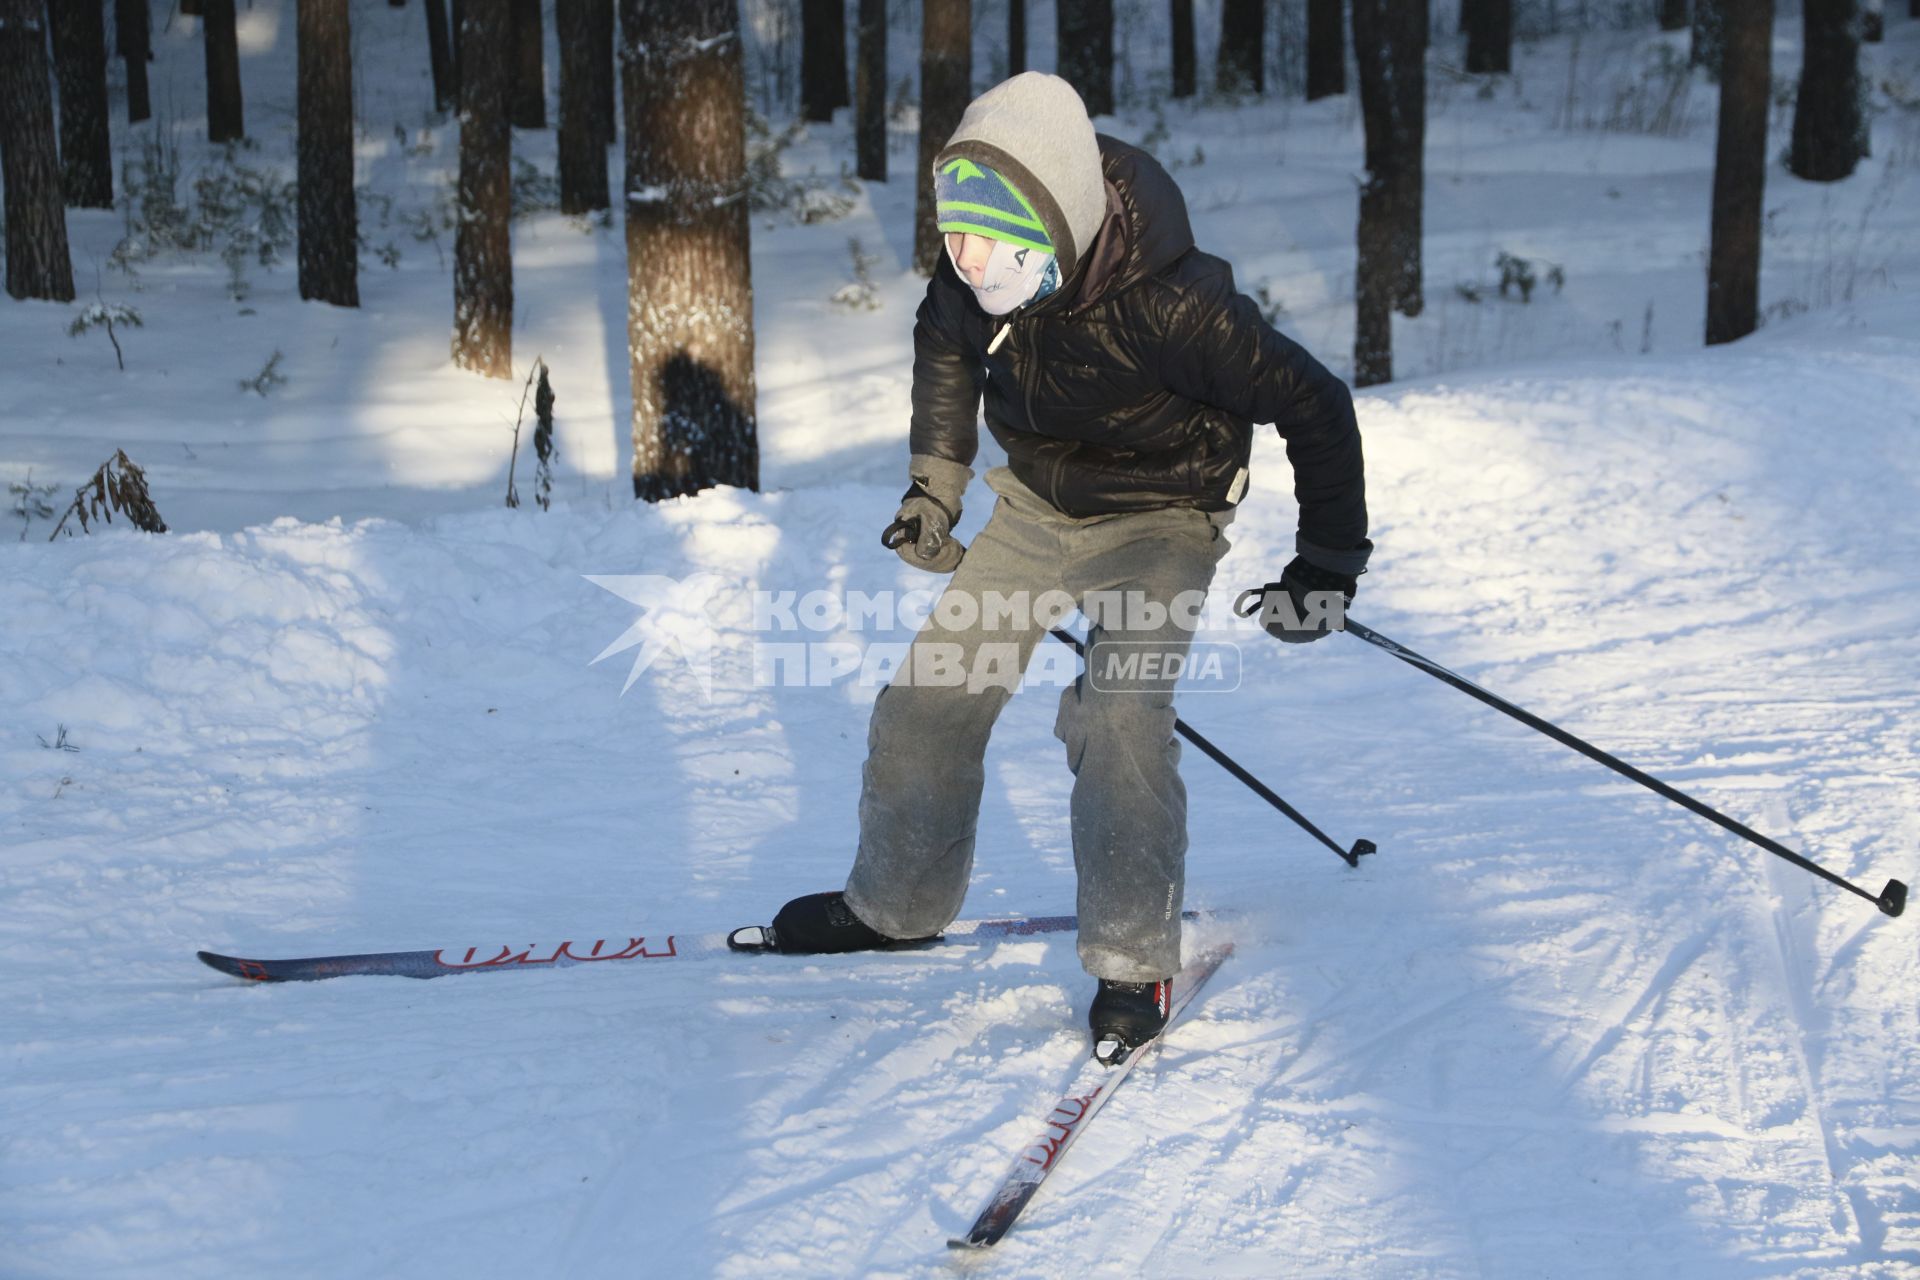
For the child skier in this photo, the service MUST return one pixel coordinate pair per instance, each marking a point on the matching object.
(1122, 373)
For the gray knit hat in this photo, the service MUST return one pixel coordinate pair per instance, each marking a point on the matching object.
(1034, 130)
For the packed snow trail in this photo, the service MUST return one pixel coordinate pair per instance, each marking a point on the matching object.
(1554, 1025)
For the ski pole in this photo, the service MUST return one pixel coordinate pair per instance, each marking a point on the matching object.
(1232, 766)
(1892, 899)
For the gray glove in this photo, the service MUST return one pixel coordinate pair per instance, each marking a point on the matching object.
(922, 530)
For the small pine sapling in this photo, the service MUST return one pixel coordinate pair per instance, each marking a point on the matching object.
(545, 446)
(267, 379)
(30, 502)
(105, 315)
(861, 294)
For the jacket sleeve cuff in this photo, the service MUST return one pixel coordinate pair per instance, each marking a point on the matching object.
(1352, 562)
(944, 479)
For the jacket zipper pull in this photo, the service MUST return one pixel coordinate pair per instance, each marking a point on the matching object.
(1000, 337)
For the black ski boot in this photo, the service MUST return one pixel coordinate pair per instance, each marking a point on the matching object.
(1125, 1015)
(818, 924)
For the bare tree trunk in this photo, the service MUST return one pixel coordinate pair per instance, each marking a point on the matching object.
(1084, 29)
(133, 36)
(329, 227)
(946, 86)
(1828, 131)
(689, 279)
(482, 242)
(80, 61)
(1241, 66)
(529, 105)
(1740, 172)
(38, 264)
(1673, 15)
(583, 145)
(822, 59)
(1326, 49)
(1016, 36)
(1489, 36)
(1185, 80)
(440, 56)
(1388, 43)
(225, 115)
(1708, 42)
(870, 93)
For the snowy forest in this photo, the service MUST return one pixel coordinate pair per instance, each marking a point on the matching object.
(447, 455)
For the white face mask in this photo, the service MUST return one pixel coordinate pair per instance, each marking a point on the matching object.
(1012, 276)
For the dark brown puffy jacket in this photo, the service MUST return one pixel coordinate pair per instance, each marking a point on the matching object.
(1136, 384)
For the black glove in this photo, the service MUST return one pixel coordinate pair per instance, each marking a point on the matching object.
(1297, 608)
(922, 530)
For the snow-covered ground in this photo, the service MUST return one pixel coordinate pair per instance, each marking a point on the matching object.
(1555, 1027)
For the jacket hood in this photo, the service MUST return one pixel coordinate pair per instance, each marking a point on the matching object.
(1034, 130)
(1145, 227)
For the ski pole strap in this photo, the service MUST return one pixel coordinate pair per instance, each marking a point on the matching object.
(1892, 899)
(1351, 856)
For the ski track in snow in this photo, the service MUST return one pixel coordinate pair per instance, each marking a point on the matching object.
(1555, 1027)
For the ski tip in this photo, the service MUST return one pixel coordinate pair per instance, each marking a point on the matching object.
(969, 1242)
(250, 970)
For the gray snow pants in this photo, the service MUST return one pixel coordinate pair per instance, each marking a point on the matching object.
(920, 794)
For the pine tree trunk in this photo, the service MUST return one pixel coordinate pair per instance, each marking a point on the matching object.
(225, 116)
(529, 105)
(1388, 44)
(1673, 15)
(38, 264)
(133, 37)
(689, 280)
(1326, 49)
(946, 86)
(456, 24)
(1084, 29)
(606, 99)
(583, 146)
(1489, 36)
(1016, 36)
(1828, 130)
(1242, 65)
(440, 55)
(80, 61)
(1740, 172)
(1873, 21)
(819, 56)
(837, 37)
(482, 243)
(1708, 37)
(329, 227)
(870, 93)
(1185, 82)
